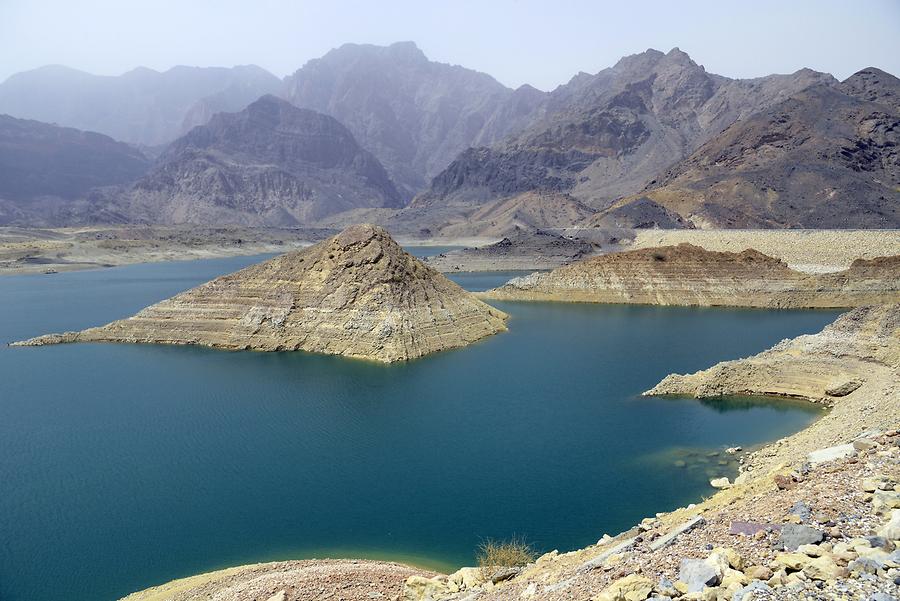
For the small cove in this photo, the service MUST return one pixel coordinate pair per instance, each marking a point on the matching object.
(124, 466)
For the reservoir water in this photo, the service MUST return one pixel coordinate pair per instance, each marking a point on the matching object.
(124, 466)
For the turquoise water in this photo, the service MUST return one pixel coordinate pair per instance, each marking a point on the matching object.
(125, 466)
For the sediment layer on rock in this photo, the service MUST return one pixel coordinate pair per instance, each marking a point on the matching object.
(357, 294)
(860, 346)
(689, 275)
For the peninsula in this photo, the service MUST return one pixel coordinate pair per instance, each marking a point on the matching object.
(357, 294)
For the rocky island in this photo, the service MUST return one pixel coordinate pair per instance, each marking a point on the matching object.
(357, 294)
(689, 275)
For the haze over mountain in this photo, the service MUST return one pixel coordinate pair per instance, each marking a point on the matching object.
(45, 169)
(142, 106)
(270, 164)
(641, 144)
(415, 115)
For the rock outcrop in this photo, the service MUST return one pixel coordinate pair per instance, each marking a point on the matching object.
(522, 249)
(689, 275)
(858, 347)
(357, 294)
(825, 158)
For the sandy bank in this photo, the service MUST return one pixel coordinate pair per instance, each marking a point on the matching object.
(351, 580)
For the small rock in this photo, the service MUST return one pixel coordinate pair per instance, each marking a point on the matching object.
(747, 593)
(784, 482)
(830, 454)
(279, 596)
(864, 444)
(810, 550)
(794, 535)
(801, 510)
(758, 573)
(720, 483)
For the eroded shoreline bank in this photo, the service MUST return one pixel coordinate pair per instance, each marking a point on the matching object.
(750, 517)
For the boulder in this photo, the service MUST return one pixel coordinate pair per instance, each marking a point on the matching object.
(891, 530)
(794, 535)
(633, 587)
(697, 574)
(720, 483)
(884, 500)
(840, 389)
(419, 588)
(466, 578)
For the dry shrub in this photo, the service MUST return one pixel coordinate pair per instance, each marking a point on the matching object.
(512, 553)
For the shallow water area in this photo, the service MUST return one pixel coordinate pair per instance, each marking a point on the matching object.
(124, 466)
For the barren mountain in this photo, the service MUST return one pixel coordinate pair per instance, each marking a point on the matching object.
(357, 294)
(270, 164)
(415, 115)
(827, 157)
(46, 169)
(142, 106)
(604, 136)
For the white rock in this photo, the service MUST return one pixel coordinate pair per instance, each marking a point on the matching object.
(891, 530)
(831, 453)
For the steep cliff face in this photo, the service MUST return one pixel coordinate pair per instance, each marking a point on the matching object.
(270, 164)
(827, 158)
(46, 169)
(142, 106)
(604, 136)
(689, 275)
(357, 294)
(415, 115)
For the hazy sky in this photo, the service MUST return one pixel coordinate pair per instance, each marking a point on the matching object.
(541, 42)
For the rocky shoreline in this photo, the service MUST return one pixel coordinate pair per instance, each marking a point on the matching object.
(813, 516)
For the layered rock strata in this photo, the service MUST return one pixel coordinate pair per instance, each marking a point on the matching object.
(859, 347)
(689, 275)
(358, 294)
